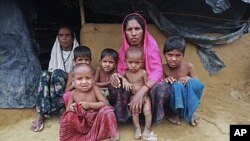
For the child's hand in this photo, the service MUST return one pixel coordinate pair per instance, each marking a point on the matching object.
(85, 105)
(72, 107)
(170, 80)
(126, 85)
(184, 79)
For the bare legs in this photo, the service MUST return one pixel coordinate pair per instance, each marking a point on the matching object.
(148, 121)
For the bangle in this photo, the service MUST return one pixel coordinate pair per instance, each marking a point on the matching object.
(147, 86)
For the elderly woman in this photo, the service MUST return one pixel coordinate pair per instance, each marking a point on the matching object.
(134, 33)
(53, 81)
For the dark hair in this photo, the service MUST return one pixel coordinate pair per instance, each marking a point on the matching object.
(68, 27)
(109, 52)
(82, 51)
(134, 17)
(175, 42)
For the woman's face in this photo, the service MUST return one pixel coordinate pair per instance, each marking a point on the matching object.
(134, 33)
(65, 39)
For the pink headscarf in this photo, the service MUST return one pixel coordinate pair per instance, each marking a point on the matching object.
(152, 57)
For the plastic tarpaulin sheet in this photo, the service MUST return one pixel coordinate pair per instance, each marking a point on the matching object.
(194, 20)
(19, 64)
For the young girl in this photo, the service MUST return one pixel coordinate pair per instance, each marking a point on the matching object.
(132, 80)
(186, 89)
(87, 117)
(107, 67)
(82, 54)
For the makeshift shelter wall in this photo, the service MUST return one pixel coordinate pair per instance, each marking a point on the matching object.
(100, 36)
(225, 99)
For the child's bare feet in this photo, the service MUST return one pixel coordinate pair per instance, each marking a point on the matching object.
(37, 124)
(194, 120)
(174, 118)
(150, 137)
(146, 132)
(137, 133)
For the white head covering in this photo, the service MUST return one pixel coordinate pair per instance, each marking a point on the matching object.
(56, 59)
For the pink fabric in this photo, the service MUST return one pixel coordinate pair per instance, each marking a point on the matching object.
(152, 56)
(88, 125)
(66, 97)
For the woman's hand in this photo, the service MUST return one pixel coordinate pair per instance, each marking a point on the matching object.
(135, 104)
(115, 80)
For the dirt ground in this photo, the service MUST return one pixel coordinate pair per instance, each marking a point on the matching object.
(225, 101)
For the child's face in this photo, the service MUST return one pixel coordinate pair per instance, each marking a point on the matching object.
(173, 58)
(84, 60)
(134, 62)
(108, 63)
(83, 79)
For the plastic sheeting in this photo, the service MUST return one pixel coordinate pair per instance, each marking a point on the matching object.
(194, 20)
(196, 30)
(19, 64)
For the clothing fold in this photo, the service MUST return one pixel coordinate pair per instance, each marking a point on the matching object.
(185, 99)
(88, 125)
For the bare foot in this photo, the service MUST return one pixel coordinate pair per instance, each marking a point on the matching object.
(150, 137)
(146, 133)
(137, 133)
(174, 118)
(37, 124)
(194, 120)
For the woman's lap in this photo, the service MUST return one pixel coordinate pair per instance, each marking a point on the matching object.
(50, 91)
(119, 98)
(159, 95)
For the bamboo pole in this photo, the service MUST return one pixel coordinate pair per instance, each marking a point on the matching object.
(82, 12)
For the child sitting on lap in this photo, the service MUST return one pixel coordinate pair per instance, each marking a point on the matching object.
(132, 80)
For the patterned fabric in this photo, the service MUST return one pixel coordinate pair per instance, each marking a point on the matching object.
(184, 100)
(152, 56)
(50, 91)
(88, 125)
(119, 98)
(159, 96)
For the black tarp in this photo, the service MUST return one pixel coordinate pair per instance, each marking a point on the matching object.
(194, 20)
(19, 64)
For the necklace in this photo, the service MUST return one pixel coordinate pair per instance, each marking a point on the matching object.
(65, 57)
